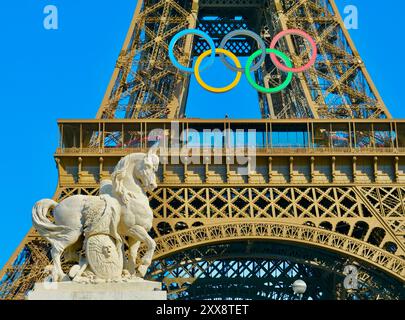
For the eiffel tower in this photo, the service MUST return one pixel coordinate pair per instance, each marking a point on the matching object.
(329, 185)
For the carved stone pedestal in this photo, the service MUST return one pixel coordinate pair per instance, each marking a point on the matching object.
(133, 290)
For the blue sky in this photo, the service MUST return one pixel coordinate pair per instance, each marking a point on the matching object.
(46, 75)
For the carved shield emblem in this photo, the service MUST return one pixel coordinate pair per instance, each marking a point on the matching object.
(103, 257)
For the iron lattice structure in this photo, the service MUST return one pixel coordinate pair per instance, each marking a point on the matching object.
(332, 195)
(146, 85)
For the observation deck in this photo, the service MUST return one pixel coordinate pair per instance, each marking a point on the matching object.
(216, 152)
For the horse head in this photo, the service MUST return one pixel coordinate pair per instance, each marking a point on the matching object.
(135, 171)
(146, 168)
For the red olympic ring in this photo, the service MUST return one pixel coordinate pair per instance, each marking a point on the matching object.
(301, 33)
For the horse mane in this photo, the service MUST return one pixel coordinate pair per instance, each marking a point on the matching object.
(121, 171)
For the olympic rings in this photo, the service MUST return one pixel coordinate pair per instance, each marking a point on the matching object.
(299, 33)
(214, 89)
(184, 33)
(242, 32)
(261, 89)
(288, 67)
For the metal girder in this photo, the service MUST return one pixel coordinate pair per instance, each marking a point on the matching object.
(263, 270)
(144, 74)
(335, 221)
(146, 85)
(347, 90)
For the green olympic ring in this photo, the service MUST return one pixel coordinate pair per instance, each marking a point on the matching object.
(261, 89)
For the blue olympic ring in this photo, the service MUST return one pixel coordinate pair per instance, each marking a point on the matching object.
(183, 33)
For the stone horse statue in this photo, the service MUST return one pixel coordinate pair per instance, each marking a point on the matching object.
(122, 210)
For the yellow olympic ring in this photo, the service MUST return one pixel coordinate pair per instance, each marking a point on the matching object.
(214, 89)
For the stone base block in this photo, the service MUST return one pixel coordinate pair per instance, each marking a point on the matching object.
(134, 290)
